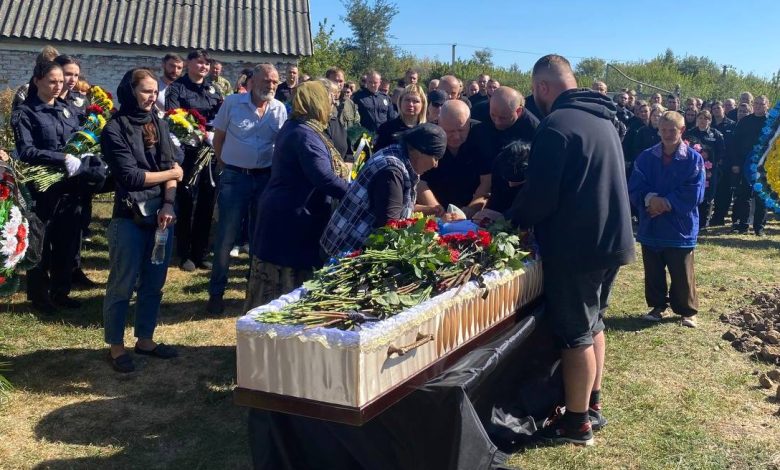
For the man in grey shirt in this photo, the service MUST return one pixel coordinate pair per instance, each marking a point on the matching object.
(244, 132)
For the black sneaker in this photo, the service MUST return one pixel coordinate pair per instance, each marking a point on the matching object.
(216, 305)
(556, 431)
(760, 232)
(80, 279)
(597, 420)
(44, 305)
(65, 301)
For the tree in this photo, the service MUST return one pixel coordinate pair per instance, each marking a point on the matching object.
(592, 68)
(327, 52)
(483, 57)
(370, 25)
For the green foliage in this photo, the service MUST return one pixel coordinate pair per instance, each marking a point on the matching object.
(6, 132)
(370, 25)
(328, 52)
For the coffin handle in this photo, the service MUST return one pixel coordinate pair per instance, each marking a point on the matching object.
(421, 339)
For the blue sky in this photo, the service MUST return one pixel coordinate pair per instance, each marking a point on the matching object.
(731, 33)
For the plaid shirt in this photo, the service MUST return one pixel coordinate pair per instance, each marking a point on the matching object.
(352, 222)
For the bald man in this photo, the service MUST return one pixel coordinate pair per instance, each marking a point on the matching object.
(576, 199)
(463, 176)
(451, 87)
(509, 120)
(374, 106)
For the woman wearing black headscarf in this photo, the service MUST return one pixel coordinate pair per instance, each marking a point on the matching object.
(138, 149)
(385, 188)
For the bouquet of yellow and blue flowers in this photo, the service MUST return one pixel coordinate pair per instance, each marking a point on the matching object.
(85, 141)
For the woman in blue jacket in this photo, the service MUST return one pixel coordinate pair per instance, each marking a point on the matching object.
(307, 177)
(666, 187)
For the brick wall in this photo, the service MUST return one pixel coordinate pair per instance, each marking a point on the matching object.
(107, 70)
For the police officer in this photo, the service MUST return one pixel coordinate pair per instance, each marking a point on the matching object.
(373, 106)
(42, 125)
(71, 69)
(194, 90)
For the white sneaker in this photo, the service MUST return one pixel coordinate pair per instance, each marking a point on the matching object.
(188, 266)
(690, 322)
(234, 252)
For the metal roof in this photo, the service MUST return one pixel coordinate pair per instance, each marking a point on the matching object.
(241, 26)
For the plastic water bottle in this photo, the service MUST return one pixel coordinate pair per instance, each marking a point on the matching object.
(160, 240)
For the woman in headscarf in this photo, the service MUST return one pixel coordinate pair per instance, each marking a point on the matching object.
(138, 149)
(385, 188)
(307, 176)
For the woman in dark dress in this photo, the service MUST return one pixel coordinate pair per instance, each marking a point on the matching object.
(307, 177)
(137, 146)
(412, 109)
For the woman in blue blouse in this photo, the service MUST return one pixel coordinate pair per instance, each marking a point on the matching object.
(307, 177)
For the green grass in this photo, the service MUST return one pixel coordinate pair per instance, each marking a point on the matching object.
(675, 397)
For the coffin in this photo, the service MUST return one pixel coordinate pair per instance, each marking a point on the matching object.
(349, 370)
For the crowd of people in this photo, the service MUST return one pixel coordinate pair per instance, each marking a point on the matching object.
(574, 164)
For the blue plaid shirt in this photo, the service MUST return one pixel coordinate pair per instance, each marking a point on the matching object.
(352, 222)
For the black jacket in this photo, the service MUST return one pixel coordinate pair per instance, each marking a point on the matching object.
(204, 97)
(711, 138)
(375, 109)
(575, 195)
(744, 138)
(726, 127)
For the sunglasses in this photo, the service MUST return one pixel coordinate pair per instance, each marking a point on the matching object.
(437, 105)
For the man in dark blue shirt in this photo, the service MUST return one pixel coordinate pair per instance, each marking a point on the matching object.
(374, 106)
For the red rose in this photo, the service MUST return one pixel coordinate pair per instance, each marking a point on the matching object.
(4, 192)
(431, 226)
(484, 238)
(21, 233)
(454, 255)
(354, 254)
(94, 109)
(110, 96)
(2, 280)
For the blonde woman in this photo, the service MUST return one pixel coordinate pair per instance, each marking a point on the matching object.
(412, 109)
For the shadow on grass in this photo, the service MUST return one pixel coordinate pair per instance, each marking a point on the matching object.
(634, 323)
(166, 414)
(90, 314)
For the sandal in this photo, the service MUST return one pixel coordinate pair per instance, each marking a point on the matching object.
(161, 351)
(122, 363)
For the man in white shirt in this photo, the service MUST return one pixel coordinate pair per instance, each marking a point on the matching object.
(244, 132)
(172, 66)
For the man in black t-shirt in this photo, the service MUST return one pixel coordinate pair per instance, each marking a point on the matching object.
(463, 175)
(284, 91)
(509, 120)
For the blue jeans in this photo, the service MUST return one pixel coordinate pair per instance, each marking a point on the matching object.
(237, 198)
(129, 255)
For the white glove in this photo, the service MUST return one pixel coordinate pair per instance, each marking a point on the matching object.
(72, 165)
(210, 138)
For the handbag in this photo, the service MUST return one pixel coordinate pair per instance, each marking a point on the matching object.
(145, 207)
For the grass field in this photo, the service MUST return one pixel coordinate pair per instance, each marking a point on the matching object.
(676, 398)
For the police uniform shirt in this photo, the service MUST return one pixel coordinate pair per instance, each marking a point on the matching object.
(457, 177)
(41, 130)
(203, 97)
(375, 109)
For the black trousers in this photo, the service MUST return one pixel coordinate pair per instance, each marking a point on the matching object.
(681, 293)
(61, 242)
(749, 209)
(195, 209)
(724, 194)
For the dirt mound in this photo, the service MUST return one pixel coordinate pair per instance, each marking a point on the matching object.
(757, 325)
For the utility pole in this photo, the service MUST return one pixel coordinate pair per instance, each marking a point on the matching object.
(453, 57)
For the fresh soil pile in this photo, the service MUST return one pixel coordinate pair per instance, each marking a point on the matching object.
(757, 332)
(757, 329)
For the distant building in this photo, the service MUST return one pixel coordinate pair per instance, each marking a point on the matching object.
(113, 36)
